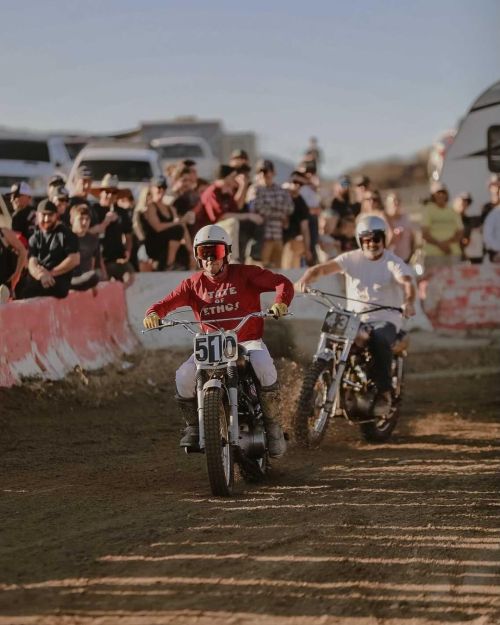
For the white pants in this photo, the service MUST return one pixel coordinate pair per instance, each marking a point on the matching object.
(262, 363)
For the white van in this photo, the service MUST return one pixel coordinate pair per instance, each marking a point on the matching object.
(134, 165)
(171, 150)
(33, 158)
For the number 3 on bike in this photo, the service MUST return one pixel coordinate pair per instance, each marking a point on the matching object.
(357, 369)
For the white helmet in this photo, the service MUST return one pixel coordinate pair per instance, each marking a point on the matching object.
(212, 234)
(370, 224)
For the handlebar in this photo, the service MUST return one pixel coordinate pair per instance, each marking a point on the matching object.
(327, 297)
(169, 322)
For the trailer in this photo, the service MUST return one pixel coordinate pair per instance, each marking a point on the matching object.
(474, 153)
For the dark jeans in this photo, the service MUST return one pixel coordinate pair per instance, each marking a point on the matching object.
(29, 287)
(381, 340)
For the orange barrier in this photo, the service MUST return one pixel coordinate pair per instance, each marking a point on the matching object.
(464, 297)
(48, 337)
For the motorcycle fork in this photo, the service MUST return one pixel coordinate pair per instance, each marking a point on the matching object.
(232, 391)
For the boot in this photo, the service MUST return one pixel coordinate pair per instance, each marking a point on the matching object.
(382, 406)
(270, 402)
(190, 438)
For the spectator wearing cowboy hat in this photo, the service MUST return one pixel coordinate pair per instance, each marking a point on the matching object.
(24, 217)
(116, 223)
(442, 230)
(53, 254)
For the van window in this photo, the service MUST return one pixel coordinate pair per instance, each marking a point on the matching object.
(24, 150)
(179, 151)
(131, 171)
(74, 148)
(494, 149)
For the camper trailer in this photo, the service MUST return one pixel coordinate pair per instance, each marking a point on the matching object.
(474, 153)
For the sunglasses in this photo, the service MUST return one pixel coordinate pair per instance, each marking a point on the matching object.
(377, 237)
(214, 251)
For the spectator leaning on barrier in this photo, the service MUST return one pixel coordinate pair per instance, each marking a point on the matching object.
(471, 244)
(116, 244)
(494, 189)
(275, 205)
(53, 254)
(24, 217)
(441, 230)
(85, 275)
(163, 230)
(491, 234)
(13, 257)
(296, 237)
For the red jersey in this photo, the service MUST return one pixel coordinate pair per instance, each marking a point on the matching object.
(236, 294)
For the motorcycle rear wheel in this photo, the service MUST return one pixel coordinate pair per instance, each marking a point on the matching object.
(218, 449)
(309, 422)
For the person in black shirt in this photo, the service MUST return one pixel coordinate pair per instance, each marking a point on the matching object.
(296, 236)
(116, 243)
(53, 251)
(24, 217)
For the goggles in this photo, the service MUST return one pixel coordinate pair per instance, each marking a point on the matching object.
(212, 251)
(369, 237)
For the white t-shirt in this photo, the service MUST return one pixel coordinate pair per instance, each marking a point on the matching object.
(374, 281)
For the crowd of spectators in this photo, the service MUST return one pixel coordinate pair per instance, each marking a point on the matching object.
(75, 238)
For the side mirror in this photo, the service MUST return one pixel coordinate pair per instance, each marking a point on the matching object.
(494, 149)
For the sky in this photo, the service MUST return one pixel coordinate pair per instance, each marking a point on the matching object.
(369, 78)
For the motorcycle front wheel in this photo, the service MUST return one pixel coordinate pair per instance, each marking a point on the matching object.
(310, 421)
(218, 450)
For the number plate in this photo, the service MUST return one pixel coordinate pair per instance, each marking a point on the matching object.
(336, 323)
(216, 348)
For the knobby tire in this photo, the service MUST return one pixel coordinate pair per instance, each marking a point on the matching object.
(217, 444)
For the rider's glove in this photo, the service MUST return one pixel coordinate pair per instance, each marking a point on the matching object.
(151, 321)
(278, 310)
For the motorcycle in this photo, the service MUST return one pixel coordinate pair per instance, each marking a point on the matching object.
(338, 382)
(230, 415)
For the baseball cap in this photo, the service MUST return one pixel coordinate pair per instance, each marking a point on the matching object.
(466, 196)
(494, 179)
(46, 206)
(344, 181)
(264, 164)
(239, 154)
(160, 182)
(361, 181)
(21, 188)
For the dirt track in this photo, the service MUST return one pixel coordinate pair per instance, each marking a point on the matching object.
(105, 521)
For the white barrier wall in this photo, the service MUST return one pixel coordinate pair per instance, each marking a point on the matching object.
(148, 288)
